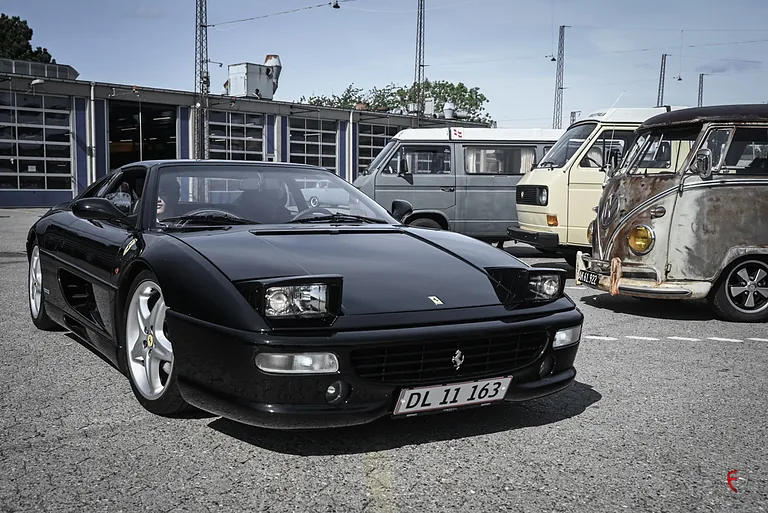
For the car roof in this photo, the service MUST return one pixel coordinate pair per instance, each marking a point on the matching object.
(208, 162)
(739, 113)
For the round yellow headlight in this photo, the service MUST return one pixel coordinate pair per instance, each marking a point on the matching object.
(589, 232)
(641, 239)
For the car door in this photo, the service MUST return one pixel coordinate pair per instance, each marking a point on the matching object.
(93, 250)
(585, 183)
(486, 186)
(423, 174)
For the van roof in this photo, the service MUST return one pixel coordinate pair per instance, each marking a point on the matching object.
(479, 134)
(744, 113)
(629, 114)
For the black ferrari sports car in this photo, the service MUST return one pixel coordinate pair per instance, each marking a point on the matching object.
(217, 285)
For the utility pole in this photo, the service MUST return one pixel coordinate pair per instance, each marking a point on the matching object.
(701, 89)
(662, 76)
(418, 73)
(574, 113)
(557, 115)
(202, 81)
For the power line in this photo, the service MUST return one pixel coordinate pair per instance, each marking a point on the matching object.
(606, 52)
(298, 9)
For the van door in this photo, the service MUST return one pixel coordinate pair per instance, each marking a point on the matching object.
(422, 174)
(585, 181)
(486, 185)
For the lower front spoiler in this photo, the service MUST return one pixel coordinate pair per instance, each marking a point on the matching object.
(542, 240)
(616, 284)
(280, 416)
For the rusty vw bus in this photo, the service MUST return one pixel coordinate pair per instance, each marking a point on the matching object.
(696, 230)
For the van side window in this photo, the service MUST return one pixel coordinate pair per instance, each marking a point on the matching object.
(716, 141)
(420, 160)
(748, 152)
(609, 141)
(499, 160)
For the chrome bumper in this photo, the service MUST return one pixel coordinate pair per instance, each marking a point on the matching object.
(616, 284)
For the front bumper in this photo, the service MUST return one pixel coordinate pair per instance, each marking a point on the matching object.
(543, 240)
(616, 283)
(216, 372)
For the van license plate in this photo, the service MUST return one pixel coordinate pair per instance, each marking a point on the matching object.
(588, 277)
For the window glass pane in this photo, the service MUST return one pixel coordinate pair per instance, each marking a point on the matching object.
(57, 134)
(237, 118)
(217, 143)
(29, 101)
(8, 166)
(7, 116)
(8, 182)
(426, 160)
(237, 131)
(217, 116)
(56, 102)
(218, 130)
(31, 166)
(8, 149)
(29, 117)
(253, 156)
(6, 99)
(217, 155)
(237, 144)
(58, 167)
(32, 182)
(252, 145)
(254, 133)
(56, 119)
(57, 151)
(59, 182)
(254, 119)
(296, 123)
(238, 156)
(31, 150)
(30, 134)
(509, 160)
(7, 132)
(328, 149)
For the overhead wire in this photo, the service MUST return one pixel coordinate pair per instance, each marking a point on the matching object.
(289, 11)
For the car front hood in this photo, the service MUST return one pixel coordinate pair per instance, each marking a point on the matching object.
(384, 270)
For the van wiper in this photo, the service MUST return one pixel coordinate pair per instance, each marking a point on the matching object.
(338, 217)
(219, 218)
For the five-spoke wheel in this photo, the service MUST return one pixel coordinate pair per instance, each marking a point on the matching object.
(742, 295)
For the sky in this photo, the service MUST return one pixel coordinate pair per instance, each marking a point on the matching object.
(613, 48)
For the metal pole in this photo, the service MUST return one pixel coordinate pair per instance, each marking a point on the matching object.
(662, 76)
(701, 89)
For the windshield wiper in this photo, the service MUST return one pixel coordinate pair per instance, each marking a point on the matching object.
(338, 217)
(210, 218)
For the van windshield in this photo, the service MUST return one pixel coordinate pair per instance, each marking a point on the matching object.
(378, 158)
(662, 150)
(567, 145)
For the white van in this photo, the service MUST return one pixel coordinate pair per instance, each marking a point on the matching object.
(458, 179)
(556, 201)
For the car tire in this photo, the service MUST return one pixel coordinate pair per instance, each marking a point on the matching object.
(740, 281)
(36, 293)
(155, 387)
(314, 202)
(425, 222)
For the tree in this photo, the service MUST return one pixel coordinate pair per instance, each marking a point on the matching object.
(392, 96)
(15, 41)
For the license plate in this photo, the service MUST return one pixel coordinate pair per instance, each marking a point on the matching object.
(441, 397)
(588, 277)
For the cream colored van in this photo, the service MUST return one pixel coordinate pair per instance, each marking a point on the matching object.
(556, 201)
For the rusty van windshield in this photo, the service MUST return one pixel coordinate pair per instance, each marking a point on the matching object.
(660, 150)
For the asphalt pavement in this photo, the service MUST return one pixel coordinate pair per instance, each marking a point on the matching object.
(667, 401)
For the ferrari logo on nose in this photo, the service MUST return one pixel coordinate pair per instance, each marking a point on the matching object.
(458, 359)
(435, 300)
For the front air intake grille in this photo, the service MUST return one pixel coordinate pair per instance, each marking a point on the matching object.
(432, 362)
(527, 195)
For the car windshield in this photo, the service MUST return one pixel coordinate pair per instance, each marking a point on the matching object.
(659, 151)
(567, 145)
(227, 194)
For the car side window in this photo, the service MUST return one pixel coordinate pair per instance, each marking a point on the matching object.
(499, 160)
(748, 152)
(609, 142)
(420, 160)
(125, 190)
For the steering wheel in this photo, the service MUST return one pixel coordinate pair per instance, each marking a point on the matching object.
(319, 210)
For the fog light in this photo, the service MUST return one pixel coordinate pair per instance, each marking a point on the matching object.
(567, 337)
(337, 392)
(551, 220)
(298, 363)
(641, 239)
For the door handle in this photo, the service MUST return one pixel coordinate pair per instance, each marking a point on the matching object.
(447, 189)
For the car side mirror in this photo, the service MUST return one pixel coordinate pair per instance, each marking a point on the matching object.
(703, 163)
(401, 209)
(96, 209)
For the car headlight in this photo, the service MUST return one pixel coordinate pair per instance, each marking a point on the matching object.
(543, 196)
(307, 300)
(641, 239)
(298, 363)
(590, 229)
(567, 336)
(545, 286)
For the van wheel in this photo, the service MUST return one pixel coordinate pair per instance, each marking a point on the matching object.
(426, 223)
(742, 292)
